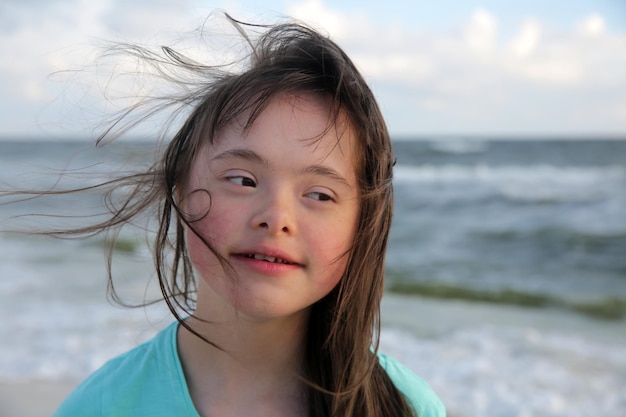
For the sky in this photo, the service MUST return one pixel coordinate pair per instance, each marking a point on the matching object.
(460, 68)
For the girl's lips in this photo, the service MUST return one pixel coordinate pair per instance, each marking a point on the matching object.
(265, 264)
(266, 254)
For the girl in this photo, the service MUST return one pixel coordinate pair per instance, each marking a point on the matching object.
(274, 204)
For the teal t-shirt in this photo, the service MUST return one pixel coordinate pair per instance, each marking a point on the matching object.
(149, 381)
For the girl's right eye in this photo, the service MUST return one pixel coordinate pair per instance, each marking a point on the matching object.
(241, 180)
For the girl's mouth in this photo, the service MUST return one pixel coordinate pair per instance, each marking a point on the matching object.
(266, 258)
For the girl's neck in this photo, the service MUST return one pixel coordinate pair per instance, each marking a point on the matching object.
(258, 366)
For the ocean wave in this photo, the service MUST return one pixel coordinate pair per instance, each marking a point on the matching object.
(516, 371)
(458, 146)
(599, 240)
(536, 174)
(608, 308)
(540, 184)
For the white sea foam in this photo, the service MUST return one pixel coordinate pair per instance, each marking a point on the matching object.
(524, 184)
(459, 145)
(57, 322)
(487, 370)
(490, 173)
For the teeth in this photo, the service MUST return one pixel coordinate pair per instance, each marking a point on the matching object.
(267, 258)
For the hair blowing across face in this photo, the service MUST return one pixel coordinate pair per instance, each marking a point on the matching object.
(341, 368)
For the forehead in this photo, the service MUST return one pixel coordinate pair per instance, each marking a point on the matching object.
(307, 119)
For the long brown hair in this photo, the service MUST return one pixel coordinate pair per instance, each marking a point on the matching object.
(342, 369)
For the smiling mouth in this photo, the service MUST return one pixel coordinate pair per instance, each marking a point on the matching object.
(265, 258)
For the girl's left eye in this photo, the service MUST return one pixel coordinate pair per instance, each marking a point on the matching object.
(316, 195)
(243, 181)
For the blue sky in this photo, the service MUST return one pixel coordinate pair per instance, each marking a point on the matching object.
(447, 67)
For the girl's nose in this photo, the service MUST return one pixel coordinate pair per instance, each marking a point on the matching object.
(275, 214)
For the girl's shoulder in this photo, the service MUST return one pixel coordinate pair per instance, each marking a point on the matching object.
(417, 391)
(147, 380)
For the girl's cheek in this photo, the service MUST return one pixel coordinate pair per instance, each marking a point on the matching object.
(200, 255)
(214, 227)
(197, 205)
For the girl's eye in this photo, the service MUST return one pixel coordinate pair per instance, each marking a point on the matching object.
(243, 181)
(316, 195)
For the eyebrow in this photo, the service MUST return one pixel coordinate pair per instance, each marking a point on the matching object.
(251, 156)
(325, 171)
(245, 154)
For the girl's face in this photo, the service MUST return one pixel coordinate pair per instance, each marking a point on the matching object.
(282, 202)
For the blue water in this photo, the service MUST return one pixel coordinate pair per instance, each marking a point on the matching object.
(534, 216)
(538, 217)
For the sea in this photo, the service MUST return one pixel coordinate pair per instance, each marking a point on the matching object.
(506, 271)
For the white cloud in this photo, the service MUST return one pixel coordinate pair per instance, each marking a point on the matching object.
(41, 44)
(340, 25)
(474, 70)
(475, 53)
(481, 32)
(527, 39)
(473, 76)
(593, 25)
(52, 52)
